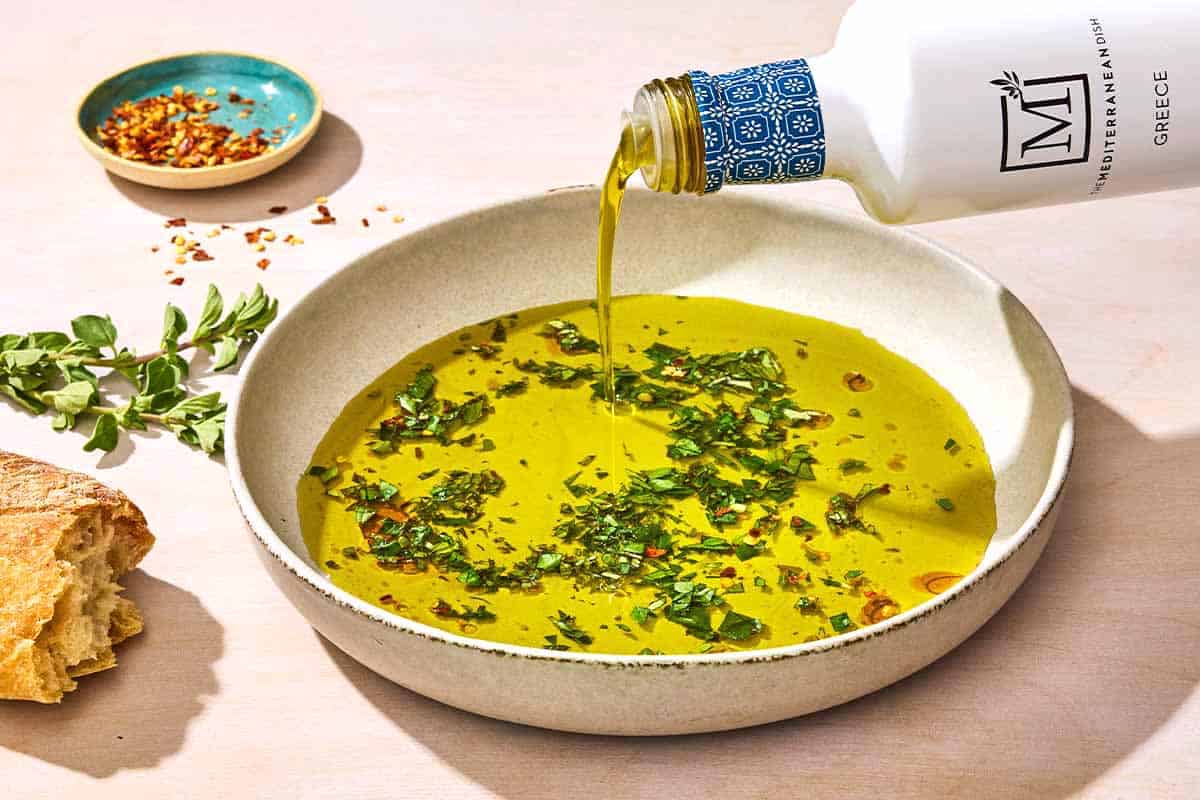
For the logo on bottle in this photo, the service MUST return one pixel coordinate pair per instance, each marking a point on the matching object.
(1047, 121)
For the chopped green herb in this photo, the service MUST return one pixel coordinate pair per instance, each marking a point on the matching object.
(481, 613)
(326, 474)
(566, 626)
(738, 627)
(569, 338)
(946, 503)
(841, 622)
(512, 387)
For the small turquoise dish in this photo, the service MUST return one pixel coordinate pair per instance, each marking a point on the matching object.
(283, 99)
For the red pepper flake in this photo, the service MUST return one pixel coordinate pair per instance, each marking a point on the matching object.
(729, 572)
(225, 227)
(386, 599)
(175, 130)
(177, 281)
(175, 222)
(153, 248)
(200, 255)
(324, 221)
(323, 210)
(441, 608)
(234, 97)
(246, 101)
(263, 263)
(655, 552)
(366, 223)
(755, 533)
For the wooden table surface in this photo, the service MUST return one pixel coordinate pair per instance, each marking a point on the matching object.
(1083, 685)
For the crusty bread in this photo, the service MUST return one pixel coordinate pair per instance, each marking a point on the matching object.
(64, 541)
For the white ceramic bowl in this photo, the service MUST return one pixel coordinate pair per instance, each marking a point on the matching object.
(924, 303)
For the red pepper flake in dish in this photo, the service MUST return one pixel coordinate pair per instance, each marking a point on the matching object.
(263, 263)
(175, 222)
(174, 130)
(200, 255)
(276, 209)
(177, 281)
(365, 223)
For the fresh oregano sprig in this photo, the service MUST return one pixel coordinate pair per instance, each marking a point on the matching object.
(51, 371)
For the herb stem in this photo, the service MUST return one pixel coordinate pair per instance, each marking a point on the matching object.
(159, 419)
(120, 362)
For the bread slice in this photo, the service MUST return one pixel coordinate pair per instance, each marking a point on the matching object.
(64, 541)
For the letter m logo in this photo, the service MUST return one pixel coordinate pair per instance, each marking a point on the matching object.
(1047, 121)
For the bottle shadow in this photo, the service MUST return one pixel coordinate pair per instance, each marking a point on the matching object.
(1060, 686)
(137, 714)
(324, 165)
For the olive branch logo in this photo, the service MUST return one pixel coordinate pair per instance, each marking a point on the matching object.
(1010, 84)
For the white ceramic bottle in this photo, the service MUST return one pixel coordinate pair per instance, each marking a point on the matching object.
(943, 108)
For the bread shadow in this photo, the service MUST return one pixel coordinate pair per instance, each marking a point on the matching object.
(323, 166)
(1036, 703)
(137, 714)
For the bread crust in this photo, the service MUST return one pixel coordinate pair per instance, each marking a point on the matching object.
(42, 509)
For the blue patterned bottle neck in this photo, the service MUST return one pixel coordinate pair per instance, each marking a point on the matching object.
(761, 124)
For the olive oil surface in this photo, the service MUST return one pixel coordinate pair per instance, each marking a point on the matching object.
(872, 422)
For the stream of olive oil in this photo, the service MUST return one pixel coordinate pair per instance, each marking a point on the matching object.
(898, 427)
(612, 192)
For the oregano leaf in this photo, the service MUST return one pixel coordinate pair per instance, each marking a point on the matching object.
(94, 330)
(104, 435)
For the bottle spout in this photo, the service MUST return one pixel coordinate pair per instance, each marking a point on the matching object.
(666, 135)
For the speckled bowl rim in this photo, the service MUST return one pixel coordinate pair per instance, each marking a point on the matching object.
(276, 158)
(1028, 530)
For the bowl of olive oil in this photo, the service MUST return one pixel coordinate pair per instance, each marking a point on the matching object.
(793, 458)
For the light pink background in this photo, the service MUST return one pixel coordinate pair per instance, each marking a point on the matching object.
(1084, 685)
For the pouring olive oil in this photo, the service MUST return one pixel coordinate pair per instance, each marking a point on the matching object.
(773, 478)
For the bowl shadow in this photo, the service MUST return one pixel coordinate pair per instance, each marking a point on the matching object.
(330, 159)
(1038, 702)
(122, 718)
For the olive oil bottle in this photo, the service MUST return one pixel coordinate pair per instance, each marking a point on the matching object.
(938, 108)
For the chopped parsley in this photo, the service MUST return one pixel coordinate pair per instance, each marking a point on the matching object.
(570, 340)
